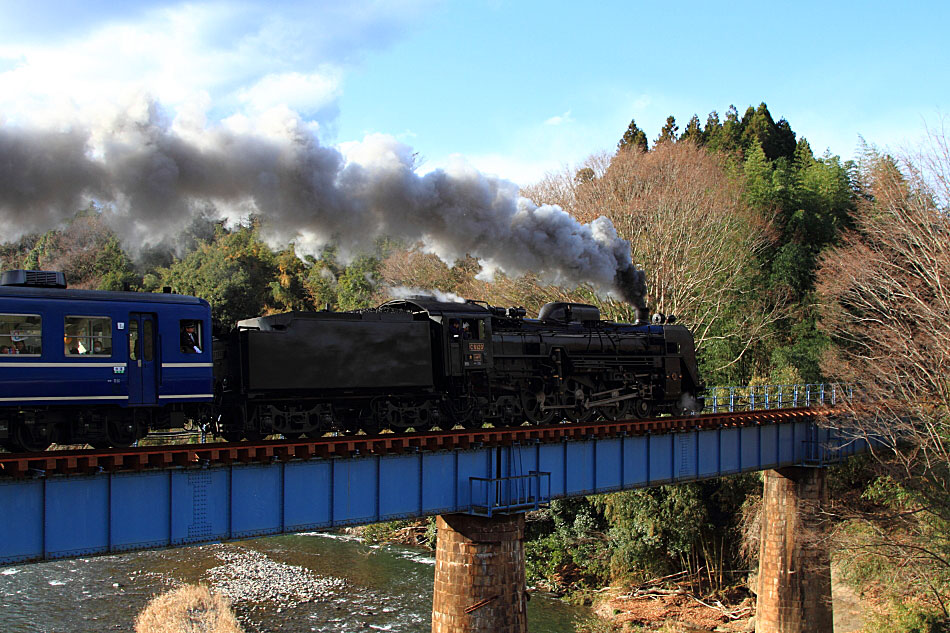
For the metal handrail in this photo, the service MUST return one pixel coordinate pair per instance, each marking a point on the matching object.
(509, 494)
(762, 397)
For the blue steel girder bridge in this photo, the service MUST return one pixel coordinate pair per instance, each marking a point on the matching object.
(63, 504)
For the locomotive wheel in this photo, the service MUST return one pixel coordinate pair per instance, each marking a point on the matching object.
(459, 411)
(26, 441)
(576, 395)
(616, 410)
(531, 404)
(642, 408)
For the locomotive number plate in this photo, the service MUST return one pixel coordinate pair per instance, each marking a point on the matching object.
(476, 347)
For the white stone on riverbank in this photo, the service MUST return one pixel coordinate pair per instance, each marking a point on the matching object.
(247, 576)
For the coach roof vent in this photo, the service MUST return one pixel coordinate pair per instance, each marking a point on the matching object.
(33, 278)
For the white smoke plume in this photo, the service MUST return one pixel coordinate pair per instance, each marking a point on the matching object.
(408, 292)
(152, 175)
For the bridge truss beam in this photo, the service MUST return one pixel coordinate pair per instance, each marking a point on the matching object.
(61, 516)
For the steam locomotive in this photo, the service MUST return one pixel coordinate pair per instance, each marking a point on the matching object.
(415, 363)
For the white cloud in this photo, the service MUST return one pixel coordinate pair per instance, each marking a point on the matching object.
(561, 119)
(304, 93)
(235, 56)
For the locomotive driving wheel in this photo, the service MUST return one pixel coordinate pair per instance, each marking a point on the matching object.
(616, 410)
(642, 408)
(533, 399)
(577, 395)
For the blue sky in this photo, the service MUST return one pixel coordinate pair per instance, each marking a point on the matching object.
(515, 88)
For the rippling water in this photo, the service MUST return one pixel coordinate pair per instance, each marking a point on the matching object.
(387, 588)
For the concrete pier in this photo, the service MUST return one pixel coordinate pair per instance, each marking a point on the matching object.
(479, 575)
(794, 582)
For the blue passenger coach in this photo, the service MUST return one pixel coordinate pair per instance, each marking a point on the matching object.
(89, 366)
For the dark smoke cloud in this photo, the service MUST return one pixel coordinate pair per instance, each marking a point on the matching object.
(154, 176)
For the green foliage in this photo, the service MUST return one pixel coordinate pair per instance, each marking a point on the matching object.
(904, 536)
(241, 276)
(653, 530)
(808, 202)
(567, 549)
(668, 132)
(113, 267)
(44, 249)
(800, 351)
(632, 536)
(907, 617)
(233, 273)
(694, 132)
(633, 138)
(355, 287)
(86, 251)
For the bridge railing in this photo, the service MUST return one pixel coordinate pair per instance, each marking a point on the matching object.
(761, 397)
(509, 494)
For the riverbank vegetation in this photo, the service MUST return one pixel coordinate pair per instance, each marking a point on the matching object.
(790, 267)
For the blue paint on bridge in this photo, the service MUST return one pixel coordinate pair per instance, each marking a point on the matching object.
(66, 516)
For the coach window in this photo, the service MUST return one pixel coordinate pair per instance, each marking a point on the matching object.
(133, 340)
(21, 334)
(190, 336)
(148, 340)
(88, 336)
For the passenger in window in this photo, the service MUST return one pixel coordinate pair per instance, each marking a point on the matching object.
(455, 328)
(189, 339)
(20, 347)
(5, 349)
(97, 347)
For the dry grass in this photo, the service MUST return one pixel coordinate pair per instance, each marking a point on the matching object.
(189, 609)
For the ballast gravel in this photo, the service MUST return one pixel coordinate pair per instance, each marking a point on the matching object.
(247, 576)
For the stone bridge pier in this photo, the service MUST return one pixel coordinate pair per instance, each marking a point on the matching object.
(794, 581)
(479, 575)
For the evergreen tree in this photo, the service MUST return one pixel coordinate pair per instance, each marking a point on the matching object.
(712, 133)
(694, 132)
(730, 135)
(776, 139)
(633, 138)
(757, 128)
(668, 133)
(783, 140)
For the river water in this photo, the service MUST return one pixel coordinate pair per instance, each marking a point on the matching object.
(299, 583)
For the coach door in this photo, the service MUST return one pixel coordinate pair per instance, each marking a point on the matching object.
(143, 370)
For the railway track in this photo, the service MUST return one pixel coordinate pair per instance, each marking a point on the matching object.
(92, 461)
